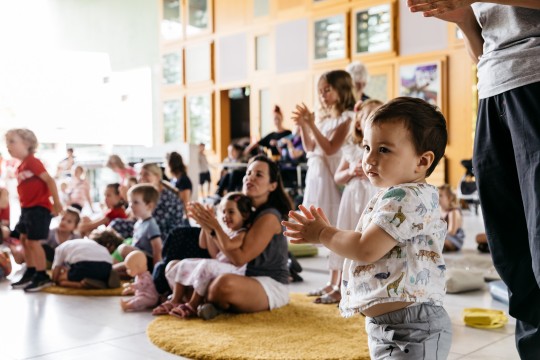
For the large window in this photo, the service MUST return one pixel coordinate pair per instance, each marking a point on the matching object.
(173, 130)
(171, 23)
(200, 119)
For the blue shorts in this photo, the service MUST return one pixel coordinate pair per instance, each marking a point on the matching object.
(34, 222)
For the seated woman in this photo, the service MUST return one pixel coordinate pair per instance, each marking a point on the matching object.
(169, 211)
(264, 250)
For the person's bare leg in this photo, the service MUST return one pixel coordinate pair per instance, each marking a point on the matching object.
(178, 293)
(28, 255)
(195, 300)
(38, 254)
(238, 293)
(71, 284)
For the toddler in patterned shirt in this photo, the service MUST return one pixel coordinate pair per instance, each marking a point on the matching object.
(394, 269)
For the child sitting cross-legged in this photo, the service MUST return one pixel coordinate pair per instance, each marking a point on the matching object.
(393, 260)
(87, 263)
(143, 199)
(196, 274)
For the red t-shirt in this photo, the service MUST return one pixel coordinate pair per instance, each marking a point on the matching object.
(32, 190)
(116, 213)
(4, 213)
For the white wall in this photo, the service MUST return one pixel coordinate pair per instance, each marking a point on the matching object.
(418, 34)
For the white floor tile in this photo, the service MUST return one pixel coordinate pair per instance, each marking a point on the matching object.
(142, 345)
(96, 351)
(502, 349)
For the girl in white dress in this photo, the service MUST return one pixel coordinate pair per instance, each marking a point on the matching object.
(322, 138)
(356, 194)
(198, 273)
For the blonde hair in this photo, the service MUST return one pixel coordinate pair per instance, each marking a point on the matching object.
(115, 160)
(452, 197)
(154, 169)
(365, 110)
(27, 136)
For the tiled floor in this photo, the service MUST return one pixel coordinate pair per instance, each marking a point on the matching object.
(46, 326)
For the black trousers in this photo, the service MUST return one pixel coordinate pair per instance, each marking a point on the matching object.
(507, 168)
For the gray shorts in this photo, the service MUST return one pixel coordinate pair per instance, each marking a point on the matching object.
(420, 331)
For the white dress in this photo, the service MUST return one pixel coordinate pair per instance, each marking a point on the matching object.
(198, 273)
(321, 189)
(356, 195)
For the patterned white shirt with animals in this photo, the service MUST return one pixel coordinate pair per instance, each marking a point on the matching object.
(414, 270)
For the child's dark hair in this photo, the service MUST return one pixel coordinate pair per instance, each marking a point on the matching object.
(108, 238)
(176, 164)
(278, 198)
(243, 203)
(75, 211)
(425, 123)
(116, 188)
(277, 110)
(148, 192)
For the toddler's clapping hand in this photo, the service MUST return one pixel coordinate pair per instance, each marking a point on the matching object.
(307, 226)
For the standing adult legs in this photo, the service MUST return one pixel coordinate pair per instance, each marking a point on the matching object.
(506, 164)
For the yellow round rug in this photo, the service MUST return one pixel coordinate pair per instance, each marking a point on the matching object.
(300, 330)
(60, 290)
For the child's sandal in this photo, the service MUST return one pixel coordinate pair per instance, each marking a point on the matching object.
(321, 291)
(164, 308)
(183, 311)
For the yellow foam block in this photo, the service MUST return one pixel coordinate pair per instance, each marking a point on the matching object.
(484, 318)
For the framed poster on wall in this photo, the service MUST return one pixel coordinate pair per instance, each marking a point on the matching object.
(424, 80)
(329, 38)
(373, 30)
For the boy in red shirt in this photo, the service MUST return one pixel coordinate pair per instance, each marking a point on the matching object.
(35, 186)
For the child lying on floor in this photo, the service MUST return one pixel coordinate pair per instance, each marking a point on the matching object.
(87, 263)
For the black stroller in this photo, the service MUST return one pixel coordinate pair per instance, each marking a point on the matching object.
(467, 191)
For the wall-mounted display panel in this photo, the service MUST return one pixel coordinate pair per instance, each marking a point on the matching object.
(329, 38)
(199, 115)
(199, 17)
(198, 63)
(265, 112)
(262, 52)
(373, 30)
(171, 20)
(171, 68)
(291, 46)
(173, 124)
